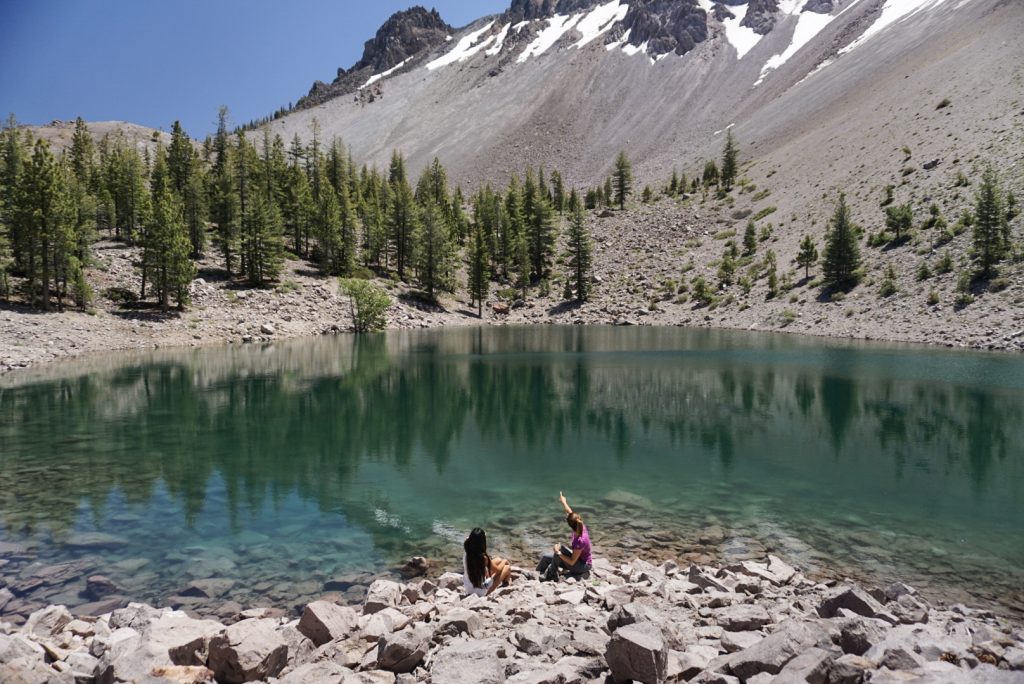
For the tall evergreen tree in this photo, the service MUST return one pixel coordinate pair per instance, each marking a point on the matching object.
(729, 162)
(82, 154)
(540, 229)
(402, 215)
(623, 180)
(478, 260)
(435, 252)
(989, 224)
(711, 175)
(224, 204)
(262, 241)
(558, 198)
(578, 254)
(842, 253)
(167, 250)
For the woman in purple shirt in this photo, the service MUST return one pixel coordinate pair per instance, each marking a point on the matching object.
(576, 558)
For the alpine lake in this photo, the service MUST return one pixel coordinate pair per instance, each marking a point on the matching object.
(272, 475)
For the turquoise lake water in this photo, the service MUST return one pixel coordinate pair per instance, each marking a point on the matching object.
(302, 467)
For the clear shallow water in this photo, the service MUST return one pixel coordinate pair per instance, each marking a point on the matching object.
(289, 468)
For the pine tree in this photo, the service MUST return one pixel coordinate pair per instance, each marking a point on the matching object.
(224, 204)
(609, 191)
(435, 252)
(82, 153)
(729, 162)
(179, 159)
(673, 185)
(540, 229)
(167, 250)
(623, 180)
(477, 262)
(989, 224)
(513, 239)
(842, 253)
(808, 255)
(262, 241)
(750, 239)
(402, 215)
(579, 254)
(45, 213)
(558, 192)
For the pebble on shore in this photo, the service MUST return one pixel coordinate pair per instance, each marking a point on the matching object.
(749, 622)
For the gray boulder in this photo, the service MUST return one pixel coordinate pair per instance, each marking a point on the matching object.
(469, 662)
(99, 586)
(810, 667)
(403, 651)
(849, 669)
(315, 672)
(248, 651)
(323, 621)
(857, 635)
(457, 621)
(48, 622)
(781, 569)
(895, 652)
(738, 641)
(743, 617)
(851, 598)
(637, 652)
(773, 652)
(382, 594)
(534, 639)
(16, 646)
(184, 640)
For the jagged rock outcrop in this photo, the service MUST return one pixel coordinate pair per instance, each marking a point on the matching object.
(405, 35)
(666, 25)
(819, 6)
(761, 16)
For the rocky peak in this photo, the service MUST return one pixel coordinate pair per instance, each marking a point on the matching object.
(528, 10)
(402, 36)
(666, 25)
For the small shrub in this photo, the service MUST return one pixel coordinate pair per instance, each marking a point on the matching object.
(838, 296)
(725, 234)
(933, 298)
(945, 263)
(367, 304)
(767, 211)
(701, 292)
(766, 233)
(943, 104)
(888, 287)
(509, 294)
(887, 195)
(788, 316)
(999, 284)
(923, 272)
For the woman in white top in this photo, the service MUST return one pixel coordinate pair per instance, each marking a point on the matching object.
(482, 575)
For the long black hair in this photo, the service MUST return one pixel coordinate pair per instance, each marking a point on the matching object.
(477, 559)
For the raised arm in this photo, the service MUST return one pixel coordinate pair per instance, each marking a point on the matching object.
(565, 504)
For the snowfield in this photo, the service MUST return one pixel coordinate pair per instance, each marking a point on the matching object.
(464, 49)
(558, 26)
(600, 20)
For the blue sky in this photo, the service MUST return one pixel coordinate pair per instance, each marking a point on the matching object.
(151, 62)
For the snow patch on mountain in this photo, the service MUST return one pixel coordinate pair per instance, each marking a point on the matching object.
(384, 74)
(600, 20)
(558, 26)
(894, 11)
(741, 37)
(499, 41)
(808, 26)
(464, 49)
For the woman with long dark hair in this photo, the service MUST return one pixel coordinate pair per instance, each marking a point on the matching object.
(482, 575)
(576, 558)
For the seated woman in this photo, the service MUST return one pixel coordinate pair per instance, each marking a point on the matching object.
(482, 575)
(576, 558)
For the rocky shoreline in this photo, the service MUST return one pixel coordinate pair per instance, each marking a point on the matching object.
(749, 622)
